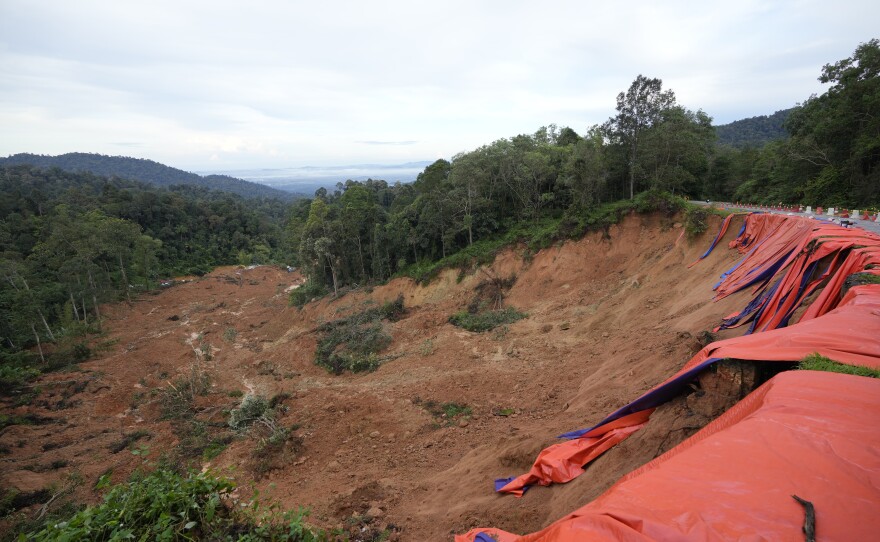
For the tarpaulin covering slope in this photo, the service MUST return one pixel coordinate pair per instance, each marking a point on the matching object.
(847, 334)
(817, 255)
(804, 433)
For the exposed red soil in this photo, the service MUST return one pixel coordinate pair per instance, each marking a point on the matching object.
(608, 318)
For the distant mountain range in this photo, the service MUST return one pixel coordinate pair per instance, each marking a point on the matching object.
(288, 183)
(754, 131)
(307, 179)
(146, 171)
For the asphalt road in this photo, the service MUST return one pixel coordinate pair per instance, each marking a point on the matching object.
(866, 225)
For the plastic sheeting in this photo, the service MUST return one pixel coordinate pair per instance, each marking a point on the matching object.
(813, 256)
(724, 225)
(802, 433)
(848, 333)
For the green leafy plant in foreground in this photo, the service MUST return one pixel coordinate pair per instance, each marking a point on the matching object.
(164, 505)
(816, 362)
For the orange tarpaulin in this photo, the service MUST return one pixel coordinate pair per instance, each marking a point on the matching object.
(803, 433)
(848, 333)
(564, 462)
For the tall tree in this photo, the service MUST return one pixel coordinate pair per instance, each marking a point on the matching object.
(638, 109)
(676, 151)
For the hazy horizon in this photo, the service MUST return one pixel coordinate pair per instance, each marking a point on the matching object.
(306, 179)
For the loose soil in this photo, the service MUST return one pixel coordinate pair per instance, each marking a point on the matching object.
(609, 317)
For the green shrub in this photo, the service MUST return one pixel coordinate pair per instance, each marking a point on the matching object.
(816, 362)
(164, 505)
(392, 310)
(15, 376)
(178, 399)
(309, 290)
(695, 221)
(252, 407)
(485, 321)
(354, 342)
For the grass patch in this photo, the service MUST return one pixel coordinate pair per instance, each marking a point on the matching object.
(486, 320)
(213, 449)
(127, 440)
(449, 412)
(27, 419)
(858, 279)
(816, 362)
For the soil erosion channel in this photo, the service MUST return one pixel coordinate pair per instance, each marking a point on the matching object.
(414, 446)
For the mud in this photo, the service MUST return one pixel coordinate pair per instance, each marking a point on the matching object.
(608, 318)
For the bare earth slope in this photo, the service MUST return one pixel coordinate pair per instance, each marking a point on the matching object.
(608, 318)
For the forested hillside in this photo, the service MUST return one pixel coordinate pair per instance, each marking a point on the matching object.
(71, 241)
(147, 171)
(754, 131)
(833, 155)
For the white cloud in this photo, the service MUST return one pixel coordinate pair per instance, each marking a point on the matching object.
(273, 83)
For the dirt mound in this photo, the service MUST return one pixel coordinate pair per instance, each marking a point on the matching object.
(608, 318)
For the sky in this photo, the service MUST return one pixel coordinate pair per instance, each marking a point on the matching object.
(219, 85)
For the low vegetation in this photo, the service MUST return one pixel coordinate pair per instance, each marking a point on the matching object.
(695, 221)
(164, 505)
(447, 413)
(353, 343)
(486, 320)
(276, 445)
(307, 292)
(816, 362)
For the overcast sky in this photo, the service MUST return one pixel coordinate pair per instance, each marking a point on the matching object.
(222, 85)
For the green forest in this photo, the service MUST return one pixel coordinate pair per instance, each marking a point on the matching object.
(70, 241)
(146, 171)
(754, 131)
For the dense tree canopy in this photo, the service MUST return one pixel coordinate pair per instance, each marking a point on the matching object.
(754, 131)
(72, 241)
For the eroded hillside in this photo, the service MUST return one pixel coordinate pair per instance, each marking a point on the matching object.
(414, 446)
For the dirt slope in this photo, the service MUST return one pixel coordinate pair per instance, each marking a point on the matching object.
(609, 317)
